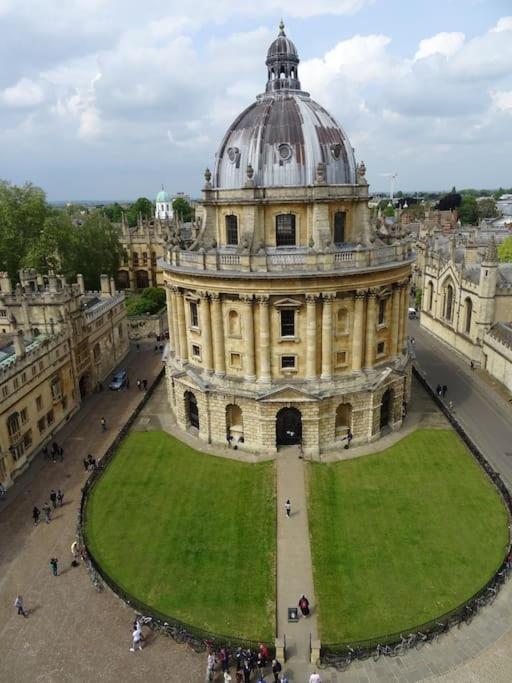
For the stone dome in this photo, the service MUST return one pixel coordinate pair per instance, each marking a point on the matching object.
(163, 197)
(284, 135)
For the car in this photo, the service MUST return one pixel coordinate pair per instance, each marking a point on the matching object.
(118, 380)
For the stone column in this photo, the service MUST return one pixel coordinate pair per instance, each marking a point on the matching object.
(248, 337)
(219, 355)
(328, 298)
(401, 316)
(169, 301)
(395, 319)
(371, 311)
(206, 332)
(311, 300)
(182, 326)
(405, 308)
(264, 350)
(357, 332)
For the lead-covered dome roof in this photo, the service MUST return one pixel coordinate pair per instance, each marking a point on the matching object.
(284, 135)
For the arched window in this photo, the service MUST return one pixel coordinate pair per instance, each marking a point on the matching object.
(339, 227)
(231, 230)
(13, 425)
(430, 295)
(233, 324)
(343, 419)
(469, 314)
(382, 311)
(234, 425)
(448, 302)
(96, 352)
(341, 321)
(285, 230)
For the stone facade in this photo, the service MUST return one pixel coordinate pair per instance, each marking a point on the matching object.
(143, 246)
(144, 326)
(497, 353)
(465, 293)
(37, 395)
(287, 314)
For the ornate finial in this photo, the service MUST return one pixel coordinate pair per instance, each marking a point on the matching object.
(491, 253)
(281, 28)
(250, 172)
(321, 173)
(361, 169)
(207, 177)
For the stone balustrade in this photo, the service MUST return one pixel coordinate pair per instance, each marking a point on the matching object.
(297, 259)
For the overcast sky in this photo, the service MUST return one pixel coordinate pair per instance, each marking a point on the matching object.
(108, 99)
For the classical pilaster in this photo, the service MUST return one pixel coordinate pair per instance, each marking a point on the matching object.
(328, 298)
(357, 333)
(206, 332)
(395, 319)
(371, 313)
(182, 326)
(264, 350)
(404, 308)
(248, 337)
(219, 355)
(311, 301)
(170, 319)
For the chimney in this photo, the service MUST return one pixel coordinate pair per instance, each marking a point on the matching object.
(19, 344)
(105, 285)
(52, 281)
(5, 284)
(112, 286)
(80, 282)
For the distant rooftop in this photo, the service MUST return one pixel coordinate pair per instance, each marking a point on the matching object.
(7, 354)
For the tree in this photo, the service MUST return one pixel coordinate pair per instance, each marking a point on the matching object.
(22, 214)
(450, 201)
(183, 210)
(142, 206)
(113, 212)
(54, 249)
(505, 250)
(97, 249)
(389, 211)
(468, 211)
(139, 304)
(487, 208)
(155, 294)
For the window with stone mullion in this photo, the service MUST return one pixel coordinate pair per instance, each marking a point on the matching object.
(231, 230)
(285, 230)
(287, 323)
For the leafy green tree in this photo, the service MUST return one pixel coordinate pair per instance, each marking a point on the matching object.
(468, 211)
(140, 305)
(142, 206)
(450, 201)
(22, 213)
(97, 249)
(487, 208)
(389, 211)
(183, 210)
(113, 212)
(156, 294)
(505, 250)
(54, 248)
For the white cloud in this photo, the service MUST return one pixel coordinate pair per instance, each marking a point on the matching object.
(504, 24)
(502, 99)
(446, 44)
(25, 93)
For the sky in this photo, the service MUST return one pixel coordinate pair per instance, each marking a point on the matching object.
(110, 99)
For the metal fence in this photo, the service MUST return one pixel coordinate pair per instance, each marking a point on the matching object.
(344, 652)
(198, 638)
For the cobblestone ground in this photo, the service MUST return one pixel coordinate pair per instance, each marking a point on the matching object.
(74, 633)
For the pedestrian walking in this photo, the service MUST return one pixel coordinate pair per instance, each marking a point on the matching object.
(54, 564)
(35, 515)
(210, 666)
(349, 438)
(238, 659)
(86, 464)
(224, 658)
(445, 389)
(91, 462)
(60, 497)
(246, 670)
(145, 384)
(127, 383)
(47, 512)
(139, 384)
(472, 365)
(55, 451)
(75, 552)
(103, 423)
(304, 605)
(46, 455)
(61, 454)
(137, 346)
(18, 603)
(439, 390)
(288, 508)
(265, 653)
(53, 498)
(276, 669)
(315, 678)
(136, 639)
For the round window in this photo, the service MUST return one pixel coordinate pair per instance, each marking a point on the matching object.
(336, 151)
(285, 151)
(233, 154)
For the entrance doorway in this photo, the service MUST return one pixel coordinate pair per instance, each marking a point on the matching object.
(84, 385)
(288, 427)
(192, 410)
(385, 408)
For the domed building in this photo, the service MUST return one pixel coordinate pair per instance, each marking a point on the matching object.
(286, 314)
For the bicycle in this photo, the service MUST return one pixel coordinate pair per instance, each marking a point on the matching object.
(385, 650)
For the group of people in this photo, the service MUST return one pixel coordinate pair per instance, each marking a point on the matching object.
(89, 463)
(57, 499)
(142, 384)
(245, 662)
(441, 390)
(55, 452)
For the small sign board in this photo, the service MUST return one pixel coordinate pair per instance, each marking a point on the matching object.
(293, 614)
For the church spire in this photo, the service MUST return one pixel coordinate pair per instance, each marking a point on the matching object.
(282, 63)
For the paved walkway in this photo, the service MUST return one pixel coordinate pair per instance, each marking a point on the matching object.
(294, 568)
(73, 633)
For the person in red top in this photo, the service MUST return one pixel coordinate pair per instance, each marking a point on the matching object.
(264, 652)
(304, 605)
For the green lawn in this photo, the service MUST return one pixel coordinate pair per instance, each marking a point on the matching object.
(190, 534)
(401, 536)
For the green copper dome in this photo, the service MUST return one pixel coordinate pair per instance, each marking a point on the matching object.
(163, 197)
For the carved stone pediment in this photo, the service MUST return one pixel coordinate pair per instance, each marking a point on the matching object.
(287, 303)
(288, 394)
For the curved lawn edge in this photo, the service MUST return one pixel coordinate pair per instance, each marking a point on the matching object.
(199, 564)
(385, 590)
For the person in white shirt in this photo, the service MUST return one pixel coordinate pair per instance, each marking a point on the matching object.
(315, 678)
(137, 639)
